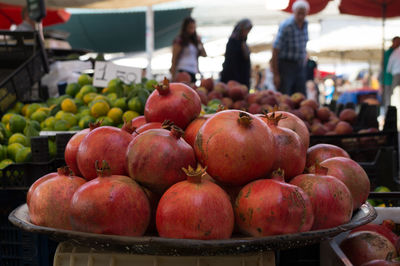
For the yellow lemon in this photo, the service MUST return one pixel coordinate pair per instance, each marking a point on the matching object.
(89, 97)
(99, 109)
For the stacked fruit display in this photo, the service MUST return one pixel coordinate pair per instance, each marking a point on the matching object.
(319, 120)
(195, 177)
(82, 104)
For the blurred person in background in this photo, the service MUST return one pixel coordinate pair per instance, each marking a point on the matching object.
(186, 49)
(27, 23)
(393, 67)
(269, 77)
(258, 77)
(237, 65)
(311, 70)
(386, 75)
(289, 51)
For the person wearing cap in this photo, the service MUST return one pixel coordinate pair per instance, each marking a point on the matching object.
(237, 64)
(289, 51)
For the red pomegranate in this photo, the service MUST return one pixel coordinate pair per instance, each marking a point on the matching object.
(207, 83)
(380, 229)
(331, 199)
(364, 246)
(71, 150)
(321, 152)
(290, 153)
(297, 98)
(310, 102)
(145, 127)
(155, 158)
(36, 184)
(237, 147)
(323, 113)
(183, 77)
(195, 209)
(110, 204)
(296, 124)
(272, 207)
(352, 175)
(343, 128)
(138, 121)
(49, 202)
(176, 102)
(193, 128)
(103, 143)
(348, 115)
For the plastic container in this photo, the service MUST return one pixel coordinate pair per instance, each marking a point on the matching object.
(23, 63)
(67, 254)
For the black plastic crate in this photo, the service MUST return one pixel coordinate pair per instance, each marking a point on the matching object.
(22, 65)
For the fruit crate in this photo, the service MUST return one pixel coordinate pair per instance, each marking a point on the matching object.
(23, 63)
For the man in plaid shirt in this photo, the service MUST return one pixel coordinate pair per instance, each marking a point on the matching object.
(289, 51)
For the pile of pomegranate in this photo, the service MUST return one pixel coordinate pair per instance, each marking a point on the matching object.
(318, 119)
(174, 173)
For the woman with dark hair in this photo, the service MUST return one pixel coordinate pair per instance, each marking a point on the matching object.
(187, 47)
(237, 64)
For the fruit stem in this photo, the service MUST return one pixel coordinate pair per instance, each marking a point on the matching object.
(244, 119)
(65, 170)
(194, 175)
(163, 88)
(176, 131)
(128, 126)
(274, 119)
(278, 175)
(94, 125)
(167, 124)
(320, 170)
(103, 170)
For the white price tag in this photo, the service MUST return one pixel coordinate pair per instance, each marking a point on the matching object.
(106, 71)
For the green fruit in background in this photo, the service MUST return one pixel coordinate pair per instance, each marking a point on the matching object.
(39, 116)
(51, 101)
(61, 125)
(75, 128)
(84, 113)
(70, 118)
(120, 103)
(115, 86)
(79, 96)
(112, 96)
(87, 98)
(143, 95)
(17, 123)
(87, 89)
(85, 121)
(372, 202)
(134, 104)
(18, 138)
(3, 152)
(47, 129)
(129, 115)
(72, 89)
(5, 163)
(115, 114)
(49, 122)
(59, 115)
(2, 137)
(55, 109)
(120, 125)
(150, 84)
(62, 98)
(100, 108)
(6, 118)
(105, 121)
(84, 79)
(30, 131)
(31, 109)
(8, 133)
(17, 108)
(79, 102)
(12, 150)
(23, 155)
(382, 189)
(35, 124)
(52, 148)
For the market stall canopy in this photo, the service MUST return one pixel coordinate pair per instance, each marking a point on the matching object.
(106, 4)
(316, 6)
(371, 8)
(121, 30)
(11, 14)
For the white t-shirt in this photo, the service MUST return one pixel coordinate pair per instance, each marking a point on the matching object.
(188, 59)
(393, 66)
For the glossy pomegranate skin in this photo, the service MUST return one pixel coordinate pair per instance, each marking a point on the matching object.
(176, 102)
(114, 205)
(331, 199)
(145, 127)
(36, 184)
(352, 175)
(321, 152)
(269, 207)
(49, 202)
(138, 121)
(195, 211)
(193, 128)
(155, 159)
(103, 143)
(71, 150)
(297, 125)
(234, 153)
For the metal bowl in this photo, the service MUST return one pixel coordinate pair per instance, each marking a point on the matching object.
(153, 245)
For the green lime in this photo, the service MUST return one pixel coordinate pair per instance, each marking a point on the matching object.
(72, 89)
(39, 116)
(49, 122)
(85, 79)
(129, 115)
(115, 86)
(87, 89)
(105, 121)
(18, 138)
(61, 125)
(17, 108)
(372, 202)
(112, 96)
(5, 163)
(120, 103)
(17, 123)
(36, 125)
(85, 120)
(382, 189)
(31, 109)
(6, 118)
(23, 155)
(79, 102)
(134, 104)
(52, 148)
(75, 128)
(12, 150)
(3, 152)
(59, 115)
(70, 118)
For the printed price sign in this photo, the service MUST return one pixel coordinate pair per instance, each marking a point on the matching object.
(106, 71)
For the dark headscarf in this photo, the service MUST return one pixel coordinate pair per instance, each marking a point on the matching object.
(240, 26)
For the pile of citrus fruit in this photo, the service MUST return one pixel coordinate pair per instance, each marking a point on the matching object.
(82, 104)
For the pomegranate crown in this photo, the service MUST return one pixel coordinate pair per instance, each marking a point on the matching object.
(163, 87)
(128, 126)
(244, 119)
(176, 131)
(274, 119)
(278, 175)
(167, 124)
(95, 125)
(194, 175)
(104, 169)
(65, 170)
